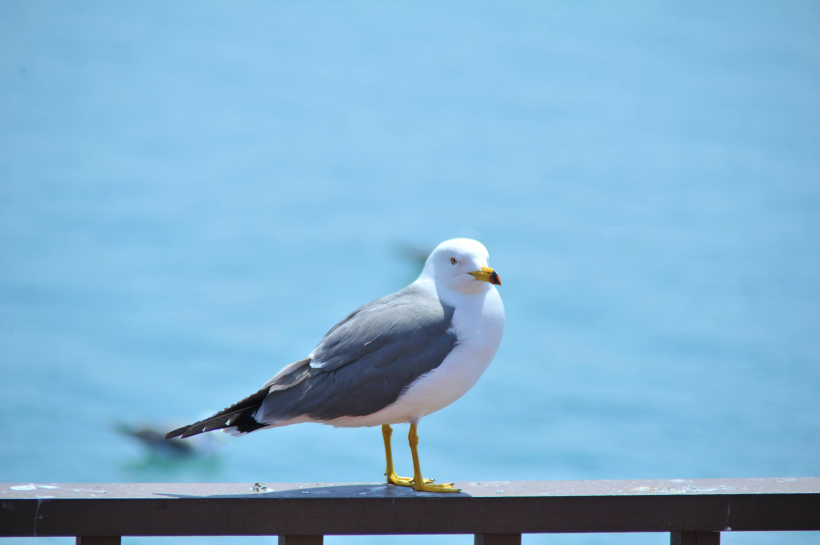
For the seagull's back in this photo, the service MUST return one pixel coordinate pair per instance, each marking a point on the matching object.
(366, 361)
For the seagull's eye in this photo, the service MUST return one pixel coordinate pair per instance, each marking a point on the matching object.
(453, 260)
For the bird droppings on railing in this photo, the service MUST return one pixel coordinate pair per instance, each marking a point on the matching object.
(37, 517)
(90, 490)
(32, 486)
(688, 489)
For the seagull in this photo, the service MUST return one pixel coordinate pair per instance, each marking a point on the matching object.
(391, 361)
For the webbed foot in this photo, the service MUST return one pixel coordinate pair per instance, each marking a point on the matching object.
(404, 481)
(435, 488)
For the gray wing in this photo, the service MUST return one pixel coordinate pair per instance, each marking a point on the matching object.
(365, 361)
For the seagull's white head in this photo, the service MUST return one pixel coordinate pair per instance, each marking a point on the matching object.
(460, 264)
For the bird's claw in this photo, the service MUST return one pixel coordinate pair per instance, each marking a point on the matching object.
(445, 487)
(404, 481)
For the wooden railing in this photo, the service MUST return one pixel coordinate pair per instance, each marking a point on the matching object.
(692, 511)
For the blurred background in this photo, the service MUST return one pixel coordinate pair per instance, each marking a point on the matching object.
(193, 193)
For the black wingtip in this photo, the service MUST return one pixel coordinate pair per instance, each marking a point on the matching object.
(190, 432)
(176, 433)
(238, 413)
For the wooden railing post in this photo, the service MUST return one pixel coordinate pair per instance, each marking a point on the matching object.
(498, 539)
(301, 540)
(695, 538)
(98, 540)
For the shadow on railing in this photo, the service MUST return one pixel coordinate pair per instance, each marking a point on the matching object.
(692, 511)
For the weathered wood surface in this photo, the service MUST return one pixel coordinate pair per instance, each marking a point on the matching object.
(489, 508)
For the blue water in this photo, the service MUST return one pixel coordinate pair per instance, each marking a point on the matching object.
(191, 194)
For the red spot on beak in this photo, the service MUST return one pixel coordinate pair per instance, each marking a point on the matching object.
(494, 279)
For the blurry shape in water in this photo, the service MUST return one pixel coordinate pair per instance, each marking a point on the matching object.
(156, 443)
(415, 255)
(164, 456)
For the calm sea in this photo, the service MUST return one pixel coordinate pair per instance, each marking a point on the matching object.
(192, 193)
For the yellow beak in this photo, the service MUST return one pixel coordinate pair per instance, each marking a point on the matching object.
(486, 274)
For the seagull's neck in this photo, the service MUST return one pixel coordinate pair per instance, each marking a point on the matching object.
(451, 297)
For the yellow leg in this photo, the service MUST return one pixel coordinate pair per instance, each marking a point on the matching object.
(419, 483)
(390, 473)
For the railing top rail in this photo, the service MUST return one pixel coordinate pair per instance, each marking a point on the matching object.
(355, 491)
(58, 509)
